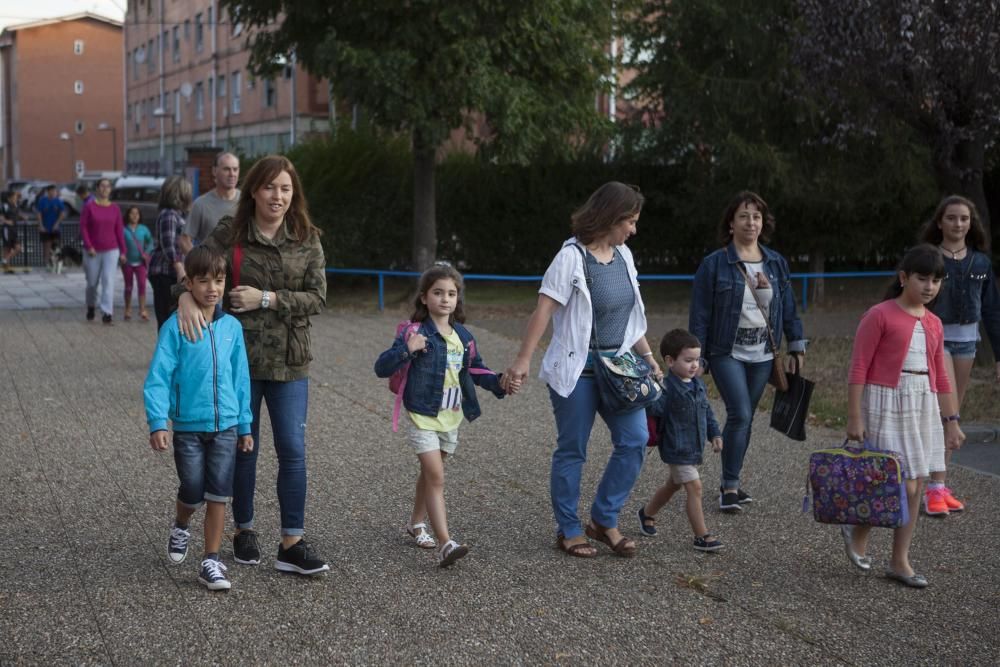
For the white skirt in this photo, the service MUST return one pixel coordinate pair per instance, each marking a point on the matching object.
(906, 420)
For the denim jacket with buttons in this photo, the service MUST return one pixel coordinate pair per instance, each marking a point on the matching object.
(425, 379)
(971, 296)
(685, 420)
(717, 301)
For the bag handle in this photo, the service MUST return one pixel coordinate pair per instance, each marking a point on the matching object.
(593, 314)
(237, 263)
(767, 313)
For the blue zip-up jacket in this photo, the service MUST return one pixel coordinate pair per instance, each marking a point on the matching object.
(425, 379)
(686, 421)
(717, 300)
(971, 296)
(201, 387)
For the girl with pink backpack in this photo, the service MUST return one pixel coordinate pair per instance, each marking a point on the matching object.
(434, 367)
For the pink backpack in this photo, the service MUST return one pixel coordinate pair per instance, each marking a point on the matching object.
(397, 381)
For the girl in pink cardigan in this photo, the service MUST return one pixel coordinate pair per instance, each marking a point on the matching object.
(899, 396)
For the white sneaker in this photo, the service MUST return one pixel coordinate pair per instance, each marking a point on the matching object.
(213, 575)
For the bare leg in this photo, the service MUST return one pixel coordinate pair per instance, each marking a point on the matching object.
(901, 537)
(432, 475)
(215, 520)
(693, 507)
(184, 513)
(661, 497)
(420, 497)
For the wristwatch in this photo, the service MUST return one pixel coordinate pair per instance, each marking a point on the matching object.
(952, 418)
(265, 300)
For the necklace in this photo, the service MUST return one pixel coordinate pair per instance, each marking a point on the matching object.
(954, 253)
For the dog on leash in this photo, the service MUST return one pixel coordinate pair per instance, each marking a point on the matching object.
(64, 255)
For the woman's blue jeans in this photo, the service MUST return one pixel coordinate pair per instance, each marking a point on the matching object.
(741, 385)
(287, 404)
(575, 416)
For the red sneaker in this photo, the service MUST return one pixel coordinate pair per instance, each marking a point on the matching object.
(934, 503)
(953, 503)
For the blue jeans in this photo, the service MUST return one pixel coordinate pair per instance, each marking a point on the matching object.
(204, 466)
(287, 403)
(574, 421)
(741, 384)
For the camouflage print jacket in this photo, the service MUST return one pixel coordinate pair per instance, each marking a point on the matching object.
(277, 340)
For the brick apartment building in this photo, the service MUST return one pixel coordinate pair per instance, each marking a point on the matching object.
(60, 97)
(188, 88)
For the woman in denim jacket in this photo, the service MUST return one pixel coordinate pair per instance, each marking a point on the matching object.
(600, 229)
(968, 296)
(724, 316)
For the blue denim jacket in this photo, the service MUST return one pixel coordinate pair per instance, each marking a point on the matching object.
(971, 296)
(717, 300)
(685, 421)
(425, 380)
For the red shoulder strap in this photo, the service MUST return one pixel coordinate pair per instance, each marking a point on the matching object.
(237, 263)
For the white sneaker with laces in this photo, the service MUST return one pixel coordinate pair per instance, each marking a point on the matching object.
(177, 544)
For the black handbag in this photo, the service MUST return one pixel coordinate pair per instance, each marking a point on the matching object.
(791, 407)
(625, 383)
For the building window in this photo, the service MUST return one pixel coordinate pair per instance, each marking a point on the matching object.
(199, 34)
(150, 57)
(177, 44)
(78, 127)
(177, 107)
(78, 46)
(150, 107)
(220, 86)
(199, 100)
(187, 29)
(236, 81)
(80, 167)
(78, 87)
(137, 117)
(270, 96)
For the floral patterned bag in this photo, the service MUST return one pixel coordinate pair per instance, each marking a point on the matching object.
(851, 485)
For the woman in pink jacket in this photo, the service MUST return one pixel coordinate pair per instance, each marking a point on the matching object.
(103, 235)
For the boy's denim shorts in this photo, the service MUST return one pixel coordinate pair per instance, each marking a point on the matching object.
(965, 349)
(205, 464)
(429, 441)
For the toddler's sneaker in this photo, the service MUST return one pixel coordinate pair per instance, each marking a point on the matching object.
(213, 575)
(953, 503)
(451, 552)
(246, 550)
(707, 543)
(177, 544)
(934, 502)
(299, 558)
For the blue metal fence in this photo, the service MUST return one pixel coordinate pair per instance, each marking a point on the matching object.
(381, 275)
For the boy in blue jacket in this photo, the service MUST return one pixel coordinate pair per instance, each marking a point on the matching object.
(685, 424)
(204, 389)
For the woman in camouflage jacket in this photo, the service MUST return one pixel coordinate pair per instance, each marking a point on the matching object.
(276, 280)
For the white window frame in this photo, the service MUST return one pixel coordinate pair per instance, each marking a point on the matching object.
(78, 87)
(78, 47)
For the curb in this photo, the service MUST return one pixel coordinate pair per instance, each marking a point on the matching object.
(981, 433)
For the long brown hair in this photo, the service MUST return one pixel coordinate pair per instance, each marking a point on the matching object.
(297, 220)
(976, 238)
(427, 279)
(745, 197)
(610, 204)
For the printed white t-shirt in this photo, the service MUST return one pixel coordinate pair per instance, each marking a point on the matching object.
(751, 332)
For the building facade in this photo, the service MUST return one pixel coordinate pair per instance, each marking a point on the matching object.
(61, 104)
(188, 89)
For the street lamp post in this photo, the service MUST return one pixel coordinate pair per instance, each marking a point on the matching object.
(105, 127)
(66, 136)
(160, 112)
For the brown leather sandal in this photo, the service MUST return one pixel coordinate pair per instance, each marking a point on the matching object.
(581, 550)
(624, 547)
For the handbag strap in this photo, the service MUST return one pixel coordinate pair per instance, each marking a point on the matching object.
(767, 313)
(237, 263)
(593, 313)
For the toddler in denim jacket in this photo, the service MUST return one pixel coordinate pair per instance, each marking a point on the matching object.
(684, 425)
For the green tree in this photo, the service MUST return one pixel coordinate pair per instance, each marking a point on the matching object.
(716, 91)
(532, 68)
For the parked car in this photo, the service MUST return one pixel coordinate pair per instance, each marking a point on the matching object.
(141, 191)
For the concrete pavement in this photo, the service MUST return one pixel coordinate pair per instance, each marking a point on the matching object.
(84, 577)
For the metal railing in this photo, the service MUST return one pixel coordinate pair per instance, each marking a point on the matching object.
(31, 246)
(382, 274)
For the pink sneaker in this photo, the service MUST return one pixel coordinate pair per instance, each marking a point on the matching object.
(934, 503)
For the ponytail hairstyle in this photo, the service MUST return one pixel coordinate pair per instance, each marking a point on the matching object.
(976, 238)
(440, 271)
(924, 259)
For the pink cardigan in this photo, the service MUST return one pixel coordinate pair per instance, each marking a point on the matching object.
(101, 227)
(882, 341)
